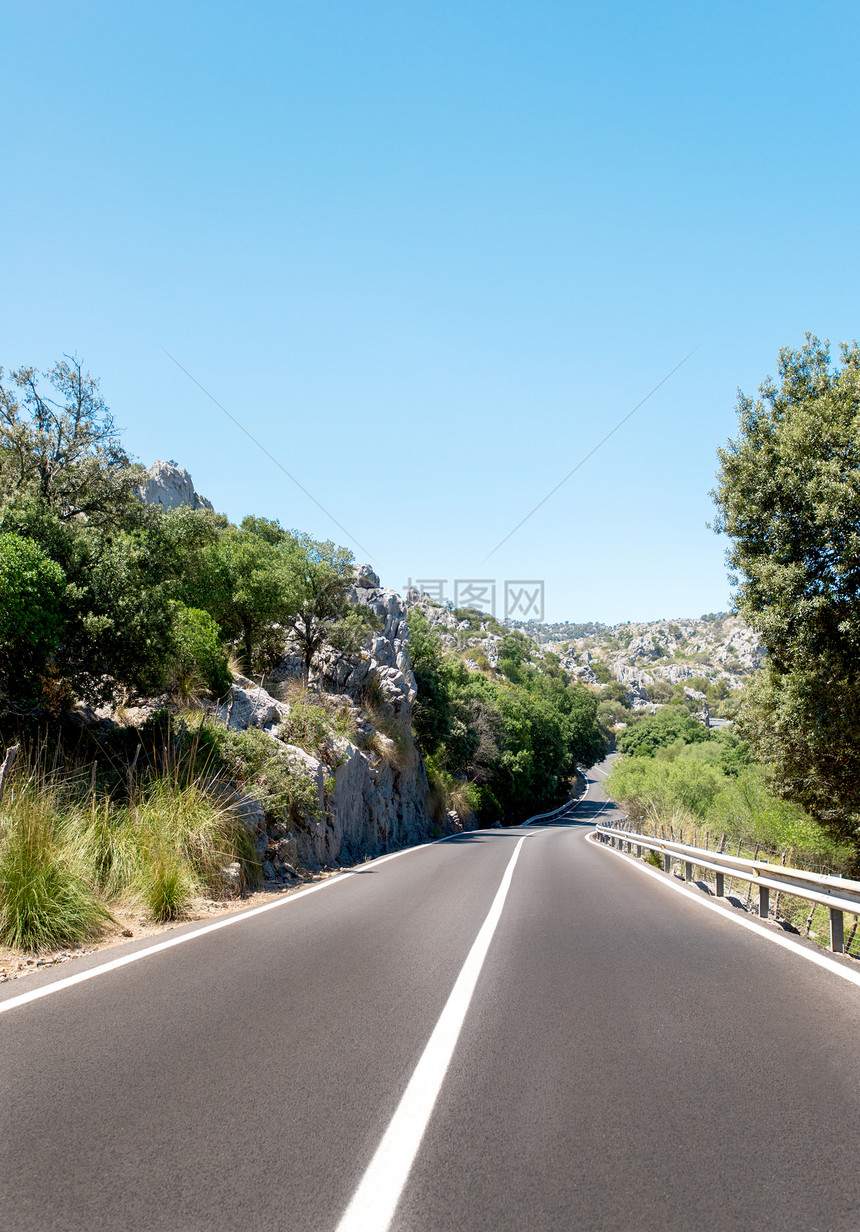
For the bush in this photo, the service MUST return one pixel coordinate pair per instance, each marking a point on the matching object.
(307, 726)
(601, 671)
(199, 653)
(659, 730)
(45, 900)
(31, 588)
(262, 766)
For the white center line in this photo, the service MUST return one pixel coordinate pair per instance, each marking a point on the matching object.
(374, 1202)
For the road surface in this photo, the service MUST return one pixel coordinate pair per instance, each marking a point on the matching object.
(559, 1041)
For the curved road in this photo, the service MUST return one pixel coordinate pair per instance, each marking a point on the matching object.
(558, 1041)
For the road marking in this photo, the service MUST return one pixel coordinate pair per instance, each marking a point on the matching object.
(70, 980)
(820, 960)
(374, 1202)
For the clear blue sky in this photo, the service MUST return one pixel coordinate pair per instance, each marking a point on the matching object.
(430, 253)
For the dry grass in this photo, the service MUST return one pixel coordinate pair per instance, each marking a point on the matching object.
(70, 853)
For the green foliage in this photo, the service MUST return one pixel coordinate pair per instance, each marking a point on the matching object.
(308, 726)
(659, 730)
(803, 724)
(68, 853)
(31, 589)
(517, 740)
(45, 900)
(788, 496)
(432, 714)
(323, 615)
(614, 691)
(64, 450)
(715, 785)
(115, 609)
(252, 759)
(199, 652)
(610, 713)
(248, 584)
(601, 671)
(183, 838)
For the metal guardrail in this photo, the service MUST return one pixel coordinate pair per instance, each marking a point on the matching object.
(838, 894)
(562, 808)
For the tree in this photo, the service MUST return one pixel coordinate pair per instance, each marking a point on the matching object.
(199, 653)
(31, 623)
(658, 731)
(431, 714)
(66, 450)
(324, 615)
(248, 584)
(117, 617)
(788, 496)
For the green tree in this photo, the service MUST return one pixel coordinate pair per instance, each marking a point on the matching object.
(31, 622)
(431, 714)
(788, 496)
(116, 608)
(65, 449)
(323, 614)
(199, 653)
(249, 585)
(658, 731)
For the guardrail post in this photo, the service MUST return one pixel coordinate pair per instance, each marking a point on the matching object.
(763, 902)
(638, 851)
(721, 886)
(688, 871)
(667, 862)
(837, 940)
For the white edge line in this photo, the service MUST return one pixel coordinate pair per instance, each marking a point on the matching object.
(375, 1200)
(820, 960)
(68, 981)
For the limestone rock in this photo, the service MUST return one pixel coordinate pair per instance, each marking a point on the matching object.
(365, 578)
(247, 705)
(170, 486)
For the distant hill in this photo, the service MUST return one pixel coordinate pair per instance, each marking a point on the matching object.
(716, 647)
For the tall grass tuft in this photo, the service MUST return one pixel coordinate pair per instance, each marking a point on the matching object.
(46, 900)
(67, 852)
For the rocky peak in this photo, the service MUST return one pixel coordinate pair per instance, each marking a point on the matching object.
(170, 486)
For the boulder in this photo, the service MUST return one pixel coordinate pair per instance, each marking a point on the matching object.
(365, 578)
(251, 706)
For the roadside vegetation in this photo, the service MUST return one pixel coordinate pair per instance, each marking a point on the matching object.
(788, 498)
(500, 743)
(77, 844)
(676, 774)
(104, 600)
(679, 781)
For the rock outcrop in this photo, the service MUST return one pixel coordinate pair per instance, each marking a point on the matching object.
(715, 648)
(170, 486)
(371, 789)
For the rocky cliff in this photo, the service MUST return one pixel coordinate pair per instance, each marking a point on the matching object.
(170, 486)
(371, 785)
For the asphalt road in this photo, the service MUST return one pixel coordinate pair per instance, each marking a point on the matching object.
(627, 1060)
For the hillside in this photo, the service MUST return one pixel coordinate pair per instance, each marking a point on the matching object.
(717, 648)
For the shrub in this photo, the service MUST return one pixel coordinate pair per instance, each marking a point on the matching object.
(660, 730)
(31, 588)
(307, 726)
(261, 765)
(601, 671)
(199, 653)
(45, 900)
